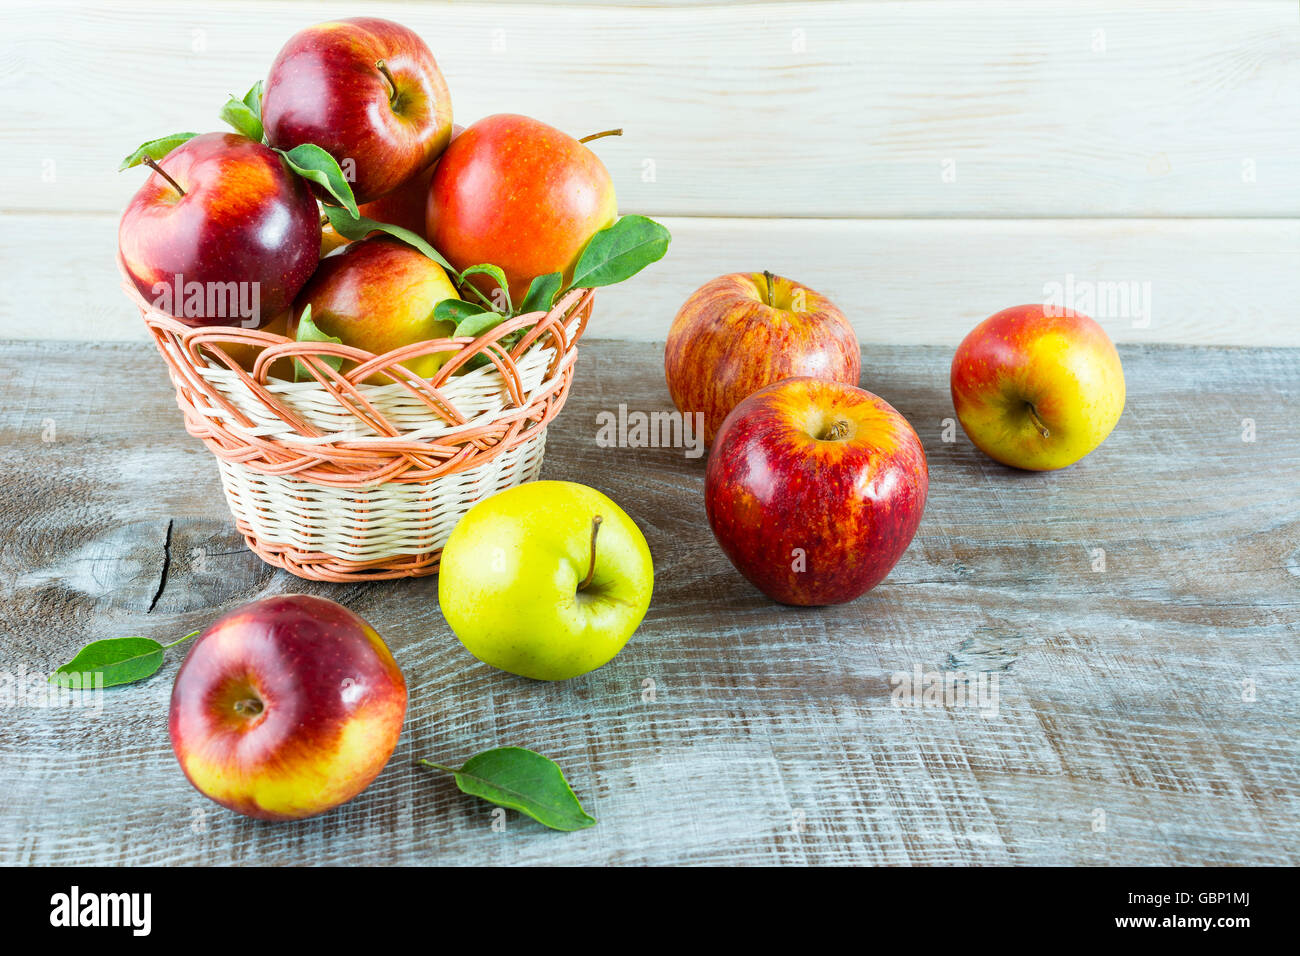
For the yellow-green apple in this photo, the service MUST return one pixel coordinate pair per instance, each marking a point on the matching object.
(814, 490)
(286, 707)
(221, 233)
(522, 195)
(379, 294)
(740, 332)
(1036, 387)
(368, 92)
(547, 580)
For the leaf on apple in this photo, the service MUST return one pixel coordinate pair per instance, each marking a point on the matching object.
(121, 660)
(246, 119)
(309, 331)
(620, 251)
(458, 312)
(311, 162)
(541, 293)
(522, 780)
(156, 149)
(358, 227)
(498, 276)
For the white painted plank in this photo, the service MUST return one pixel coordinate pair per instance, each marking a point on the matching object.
(793, 110)
(1223, 282)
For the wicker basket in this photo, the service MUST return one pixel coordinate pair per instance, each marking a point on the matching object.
(338, 480)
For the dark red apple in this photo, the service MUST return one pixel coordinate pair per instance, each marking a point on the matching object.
(814, 490)
(522, 195)
(228, 241)
(286, 707)
(368, 92)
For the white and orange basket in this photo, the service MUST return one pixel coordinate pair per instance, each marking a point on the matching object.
(335, 479)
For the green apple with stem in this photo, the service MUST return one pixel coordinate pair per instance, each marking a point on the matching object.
(546, 580)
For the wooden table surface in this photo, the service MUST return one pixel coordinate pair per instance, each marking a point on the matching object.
(1147, 712)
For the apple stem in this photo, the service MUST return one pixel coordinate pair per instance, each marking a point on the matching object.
(836, 432)
(153, 164)
(771, 294)
(382, 67)
(602, 133)
(1038, 422)
(591, 569)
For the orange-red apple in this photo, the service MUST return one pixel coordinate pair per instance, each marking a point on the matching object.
(1035, 389)
(740, 332)
(814, 490)
(286, 707)
(521, 195)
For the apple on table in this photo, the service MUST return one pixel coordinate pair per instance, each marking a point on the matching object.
(739, 332)
(546, 580)
(814, 489)
(1037, 387)
(286, 707)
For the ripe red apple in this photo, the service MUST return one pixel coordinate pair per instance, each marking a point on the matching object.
(522, 195)
(379, 294)
(1037, 388)
(286, 707)
(740, 332)
(814, 490)
(368, 92)
(229, 240)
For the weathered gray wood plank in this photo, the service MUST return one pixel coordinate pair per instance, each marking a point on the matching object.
(771, 737)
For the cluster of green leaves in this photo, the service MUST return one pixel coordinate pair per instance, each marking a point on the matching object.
(613, 255)
(511, 777)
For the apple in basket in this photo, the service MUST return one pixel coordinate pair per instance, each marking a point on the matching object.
(221, 233)
(367, 91)
(379, 294)
(520, 194)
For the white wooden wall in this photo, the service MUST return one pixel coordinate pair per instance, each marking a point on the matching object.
(924, 163)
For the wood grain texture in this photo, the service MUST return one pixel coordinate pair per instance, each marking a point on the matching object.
(771, 737)
(1226, 282)
(999, 109)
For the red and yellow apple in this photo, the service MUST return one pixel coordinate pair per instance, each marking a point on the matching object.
(1035, 389)
(226, 237)
(740, 332)
(286, 707)
(379, 294)
(368, 92)
(814, 490)
(522, 195)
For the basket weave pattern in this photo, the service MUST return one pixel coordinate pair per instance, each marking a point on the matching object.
(336, 479)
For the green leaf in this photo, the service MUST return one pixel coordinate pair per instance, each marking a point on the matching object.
(311, 162)
(122, 660)
(541, 293)
(156, 149)
(498, 276)
(253, 100)
(237, 113)
(457, 311)
(525, 781)
(358, 227)
(309, 331)
(620, 252)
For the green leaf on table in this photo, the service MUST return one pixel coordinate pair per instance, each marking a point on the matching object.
(620, 252)
(309, 331)
(312, 163)
(156, 149)
(240, 115)
(541, 293)
(121, 660)
(522, 780)
(358, 227)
